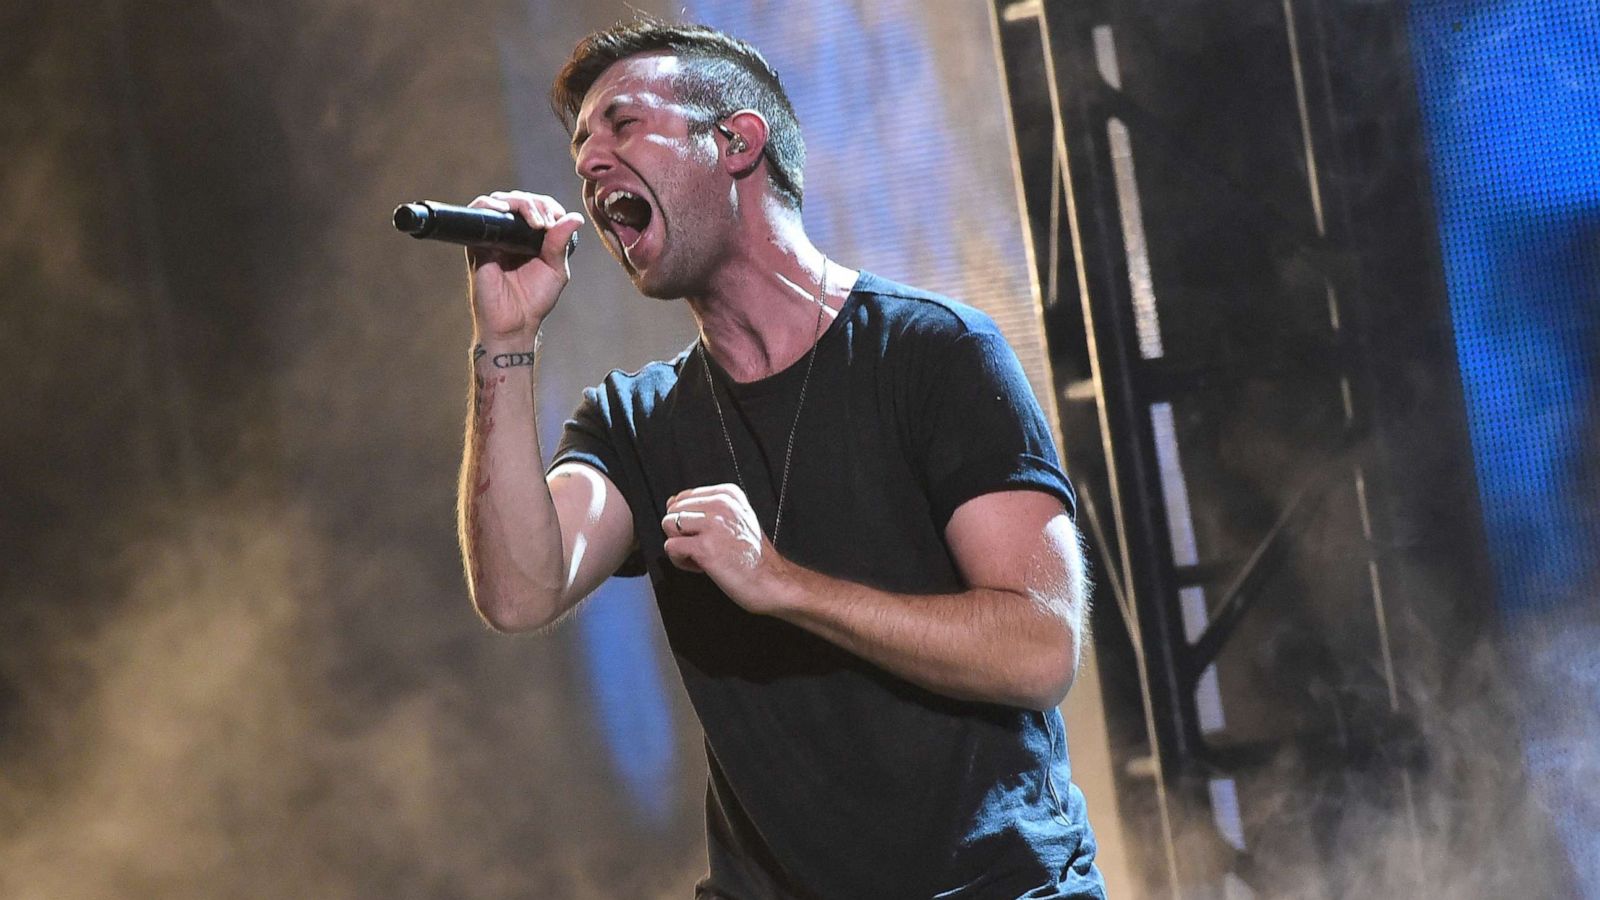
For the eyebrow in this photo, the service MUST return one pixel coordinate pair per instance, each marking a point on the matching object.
(609, 113)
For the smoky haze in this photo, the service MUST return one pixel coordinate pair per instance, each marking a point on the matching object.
(238, 659)
(236, 654)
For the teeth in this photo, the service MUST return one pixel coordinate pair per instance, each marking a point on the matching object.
(613, 197)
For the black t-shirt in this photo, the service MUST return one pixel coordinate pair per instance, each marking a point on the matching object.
(830, 777)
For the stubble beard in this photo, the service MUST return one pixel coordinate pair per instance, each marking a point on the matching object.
(686, 256)
(681, 267)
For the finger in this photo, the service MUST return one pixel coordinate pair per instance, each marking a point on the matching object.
(549, 208)
(681, 553)
(513, 195)
(710, 490)
(523, 205)
(542, 210)
(727, 500)
(490, 201)
(683, 524)
(715, 506)
(560, 239)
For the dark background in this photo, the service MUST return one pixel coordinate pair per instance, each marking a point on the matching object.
(236, 654)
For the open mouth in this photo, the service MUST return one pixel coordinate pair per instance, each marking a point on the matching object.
(627, 215)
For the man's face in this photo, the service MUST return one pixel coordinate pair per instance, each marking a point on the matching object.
(650, 182)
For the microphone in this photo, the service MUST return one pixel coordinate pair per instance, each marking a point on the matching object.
(485, 229)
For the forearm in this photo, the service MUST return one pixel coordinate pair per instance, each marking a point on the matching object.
(991, 645)
(510, 534)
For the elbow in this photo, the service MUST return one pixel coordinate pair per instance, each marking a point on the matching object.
(1055, 669)
(1048, 692)
(502, 621)
(511, 613)
(510, 600)
(500, 617)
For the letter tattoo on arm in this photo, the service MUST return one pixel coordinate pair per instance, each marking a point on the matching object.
(508, 360)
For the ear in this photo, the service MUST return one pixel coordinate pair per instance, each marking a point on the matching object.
(744, 141)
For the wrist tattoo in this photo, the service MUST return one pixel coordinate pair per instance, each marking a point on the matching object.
(506, 360)
(512, 360)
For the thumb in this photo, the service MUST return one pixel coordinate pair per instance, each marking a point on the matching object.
(560, 240)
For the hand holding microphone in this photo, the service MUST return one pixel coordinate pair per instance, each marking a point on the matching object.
(517, 247)
(485, 229)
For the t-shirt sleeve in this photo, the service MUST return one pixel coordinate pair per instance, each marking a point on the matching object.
(590, 437)
(981, 429)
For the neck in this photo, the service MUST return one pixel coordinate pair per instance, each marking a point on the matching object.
(758, 314)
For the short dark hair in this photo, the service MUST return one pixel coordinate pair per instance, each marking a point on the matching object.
(721, 75)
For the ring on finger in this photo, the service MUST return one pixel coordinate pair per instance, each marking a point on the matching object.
(677, 522)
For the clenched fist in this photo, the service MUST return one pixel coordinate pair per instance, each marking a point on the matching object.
(713, 530)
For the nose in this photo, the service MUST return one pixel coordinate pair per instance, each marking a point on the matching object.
(593, 159)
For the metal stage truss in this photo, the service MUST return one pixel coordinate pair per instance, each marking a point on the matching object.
(1231, 233)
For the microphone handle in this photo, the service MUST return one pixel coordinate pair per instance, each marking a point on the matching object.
(485, 229)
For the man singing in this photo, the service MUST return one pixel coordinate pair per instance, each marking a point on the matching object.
(844, 494)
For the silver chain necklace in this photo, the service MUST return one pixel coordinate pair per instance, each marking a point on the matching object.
(788, 453)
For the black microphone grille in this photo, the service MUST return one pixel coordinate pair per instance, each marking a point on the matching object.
(412, 218)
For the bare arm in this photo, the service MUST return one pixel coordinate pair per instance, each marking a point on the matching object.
(1012, 637)
(533, 548)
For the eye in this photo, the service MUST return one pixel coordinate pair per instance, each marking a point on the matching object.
(624, 122)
